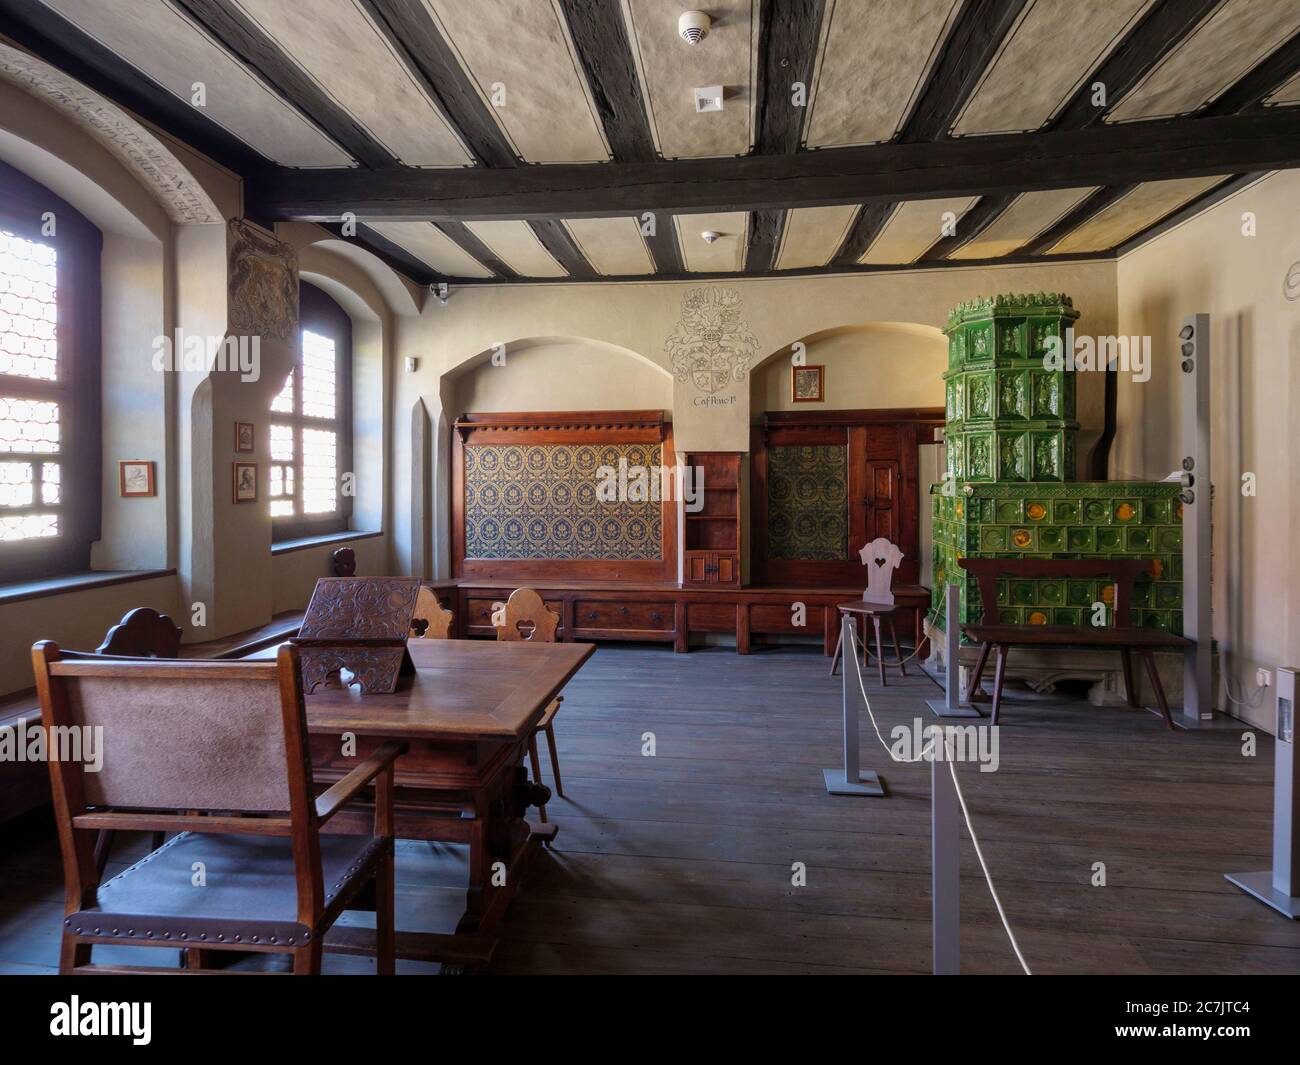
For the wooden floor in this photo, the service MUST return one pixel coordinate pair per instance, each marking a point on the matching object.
(681, 862)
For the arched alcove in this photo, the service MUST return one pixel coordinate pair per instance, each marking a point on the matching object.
(868, 365)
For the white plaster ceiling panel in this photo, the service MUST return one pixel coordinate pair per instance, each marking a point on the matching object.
(1221, 49)
(516, 245)
(1032, 76)
(1144, 206)
(913, 227)
(342, 51)
(1289, 93)
(1030, 214)
(724, 255)
(873, 59)
(671, 70)
(613, 246)
(432, 247)
(813, 234)
(518, 54)
(168, 48)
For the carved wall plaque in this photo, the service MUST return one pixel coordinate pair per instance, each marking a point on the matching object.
(263, 284)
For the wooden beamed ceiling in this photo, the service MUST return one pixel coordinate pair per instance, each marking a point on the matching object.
(557, 141)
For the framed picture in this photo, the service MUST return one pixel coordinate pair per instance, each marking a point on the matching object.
(806, 384)
(244, 436)
(245, 482)
(135, 478)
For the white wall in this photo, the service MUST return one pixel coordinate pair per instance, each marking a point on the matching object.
(1209, 265)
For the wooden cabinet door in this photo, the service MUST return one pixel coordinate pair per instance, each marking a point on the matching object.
(697, 567)
(724, 569)
(881, 503)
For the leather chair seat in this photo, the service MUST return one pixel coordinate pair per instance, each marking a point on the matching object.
(242, 875)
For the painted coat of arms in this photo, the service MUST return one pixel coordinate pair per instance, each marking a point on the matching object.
(711, 346)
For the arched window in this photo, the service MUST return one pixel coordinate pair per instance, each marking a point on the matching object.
(49, 382)
(311, 426)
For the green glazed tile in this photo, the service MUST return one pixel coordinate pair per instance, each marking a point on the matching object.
(1095, 511)
(1051, 593)
(1170, 539)
(1022, 593)
(1065, 511)
(1081, 540)
(1051, 538)
(1067, 616)
(1079, 593)
(993, 538)
(1009, 511)
(1138, 539)
(1168, 595)
(1108, 539)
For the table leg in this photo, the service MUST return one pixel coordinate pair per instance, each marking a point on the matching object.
(979, 670)
(998, 674)
(839, 650)
(1149, 660)
(1130, 689)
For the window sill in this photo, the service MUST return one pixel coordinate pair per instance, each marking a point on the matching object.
(75, 582)
(284, 547)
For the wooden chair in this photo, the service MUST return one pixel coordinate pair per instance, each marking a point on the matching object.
(142, 633)
(526, 617)
(216, 738)
(1120, 636)
(430, 621)
(881, 557)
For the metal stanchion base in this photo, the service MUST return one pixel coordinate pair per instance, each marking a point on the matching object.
(940, 708)
(869, 783)
(1216, 721)
(1261, 886)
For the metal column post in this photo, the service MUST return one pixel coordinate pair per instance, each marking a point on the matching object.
(945, 861)
(851, 780)
(951, 703)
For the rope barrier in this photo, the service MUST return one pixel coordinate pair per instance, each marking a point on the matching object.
(961, 799)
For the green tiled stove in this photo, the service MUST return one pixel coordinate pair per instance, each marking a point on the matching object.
(1010, 491)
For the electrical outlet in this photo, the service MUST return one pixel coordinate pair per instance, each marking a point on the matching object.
(1264, 678)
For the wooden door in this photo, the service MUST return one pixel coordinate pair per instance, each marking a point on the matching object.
(881, 504)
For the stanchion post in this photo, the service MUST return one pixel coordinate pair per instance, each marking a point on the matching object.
(945, 861)
(951, 703)
(851, 780)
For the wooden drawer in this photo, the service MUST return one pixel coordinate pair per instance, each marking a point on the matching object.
(711, 617)
(765, 617)
(612, 614)
(478, 612)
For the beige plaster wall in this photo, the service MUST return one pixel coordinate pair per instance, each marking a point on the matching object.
(640, 317)
(1209, 265)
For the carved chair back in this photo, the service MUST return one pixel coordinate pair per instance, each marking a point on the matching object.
(142, 633)
(430, 621)
(881, 557)
(526, 617)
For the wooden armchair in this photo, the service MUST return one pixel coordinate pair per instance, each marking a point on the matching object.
(429, 621)
(526, 617)
(142, 633)
(216, 738)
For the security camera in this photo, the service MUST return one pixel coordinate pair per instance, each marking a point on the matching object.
(694, 26)
(440, 291)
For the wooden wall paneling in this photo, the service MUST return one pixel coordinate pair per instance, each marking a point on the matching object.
(859, 493)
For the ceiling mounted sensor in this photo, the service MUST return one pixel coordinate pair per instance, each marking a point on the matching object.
(694, 26)
(710, 236)
(709, 98)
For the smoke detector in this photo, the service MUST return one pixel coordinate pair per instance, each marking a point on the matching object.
(694, 26)
(710, 236)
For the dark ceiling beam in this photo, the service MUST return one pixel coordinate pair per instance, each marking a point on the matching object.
(1189, 210)
(393, 255)
(460, 234)
(1253, 86)
(600, 37)
(1079, 214)
(414, 37)
(866, 227)
(663, 247)
(788, 31)
(970, 225)
(1161, 30)
(984, 166)
(245, 41)
(58, 42)
(969, 48)
(765, 229)
(564, 249)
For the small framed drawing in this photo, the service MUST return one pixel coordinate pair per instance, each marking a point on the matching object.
(244, 436)
(135, 478)
(245, 482)
(806, 384)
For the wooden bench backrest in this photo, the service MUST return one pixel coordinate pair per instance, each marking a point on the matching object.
(525, 611)
(1123, 571)
(143, 633)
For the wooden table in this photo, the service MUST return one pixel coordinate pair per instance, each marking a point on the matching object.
(466, 715)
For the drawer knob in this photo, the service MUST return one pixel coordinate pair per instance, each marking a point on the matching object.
(656, 616)
(591, 616)
(623, 610)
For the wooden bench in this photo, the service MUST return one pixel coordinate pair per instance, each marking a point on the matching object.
(1125, 638)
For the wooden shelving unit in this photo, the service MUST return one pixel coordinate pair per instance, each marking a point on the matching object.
(711, 535)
